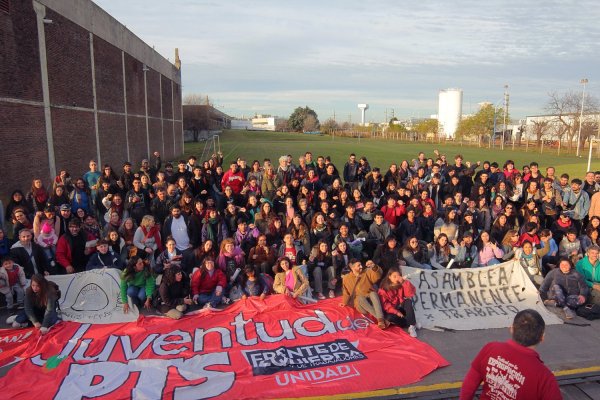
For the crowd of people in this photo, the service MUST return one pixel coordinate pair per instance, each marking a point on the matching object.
(204, 234)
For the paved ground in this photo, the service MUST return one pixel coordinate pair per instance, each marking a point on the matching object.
(570, 350)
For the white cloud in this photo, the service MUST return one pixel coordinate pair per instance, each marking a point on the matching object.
(333, 54)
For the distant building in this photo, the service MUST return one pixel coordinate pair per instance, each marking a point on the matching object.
(243, 124)
(449, 111)
(258, 123)
(554, 124)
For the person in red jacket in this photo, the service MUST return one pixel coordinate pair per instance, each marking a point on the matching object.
(513, 369)
(208, 284)
(234, 178)
(71, 251)
(396, 295)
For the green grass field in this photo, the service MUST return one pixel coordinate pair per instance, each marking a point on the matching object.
(259, 145)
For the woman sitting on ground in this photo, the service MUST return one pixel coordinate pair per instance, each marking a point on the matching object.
(170, 257)
(320, 262)
(396, 295)
(289, 280)
(137, 283)
(488, 251)
(253, 284)
(174, 293)
(208, 285)
(40, 311)
(194, 259)
(443, 252)
(415, 254)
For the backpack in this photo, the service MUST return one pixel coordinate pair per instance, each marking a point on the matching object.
(589, 311)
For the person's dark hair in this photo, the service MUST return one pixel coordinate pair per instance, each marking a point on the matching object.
(278, 264)
(385, 283)
(533, 164)
(169, 274)
(40, 298)
(130, 268)
(528, 328)
(576, 181)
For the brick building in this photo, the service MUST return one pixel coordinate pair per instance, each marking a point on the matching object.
(78, 85)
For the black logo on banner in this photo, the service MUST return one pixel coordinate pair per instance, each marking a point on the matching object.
(298, 358)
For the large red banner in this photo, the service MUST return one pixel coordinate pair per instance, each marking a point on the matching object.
(13, 343)
(253, 349)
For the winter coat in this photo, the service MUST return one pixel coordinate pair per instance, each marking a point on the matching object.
(572, 283)
(20, 255)
(591, 273)
(354, 286)
(391, 299)
(4, 284)
(203, 283)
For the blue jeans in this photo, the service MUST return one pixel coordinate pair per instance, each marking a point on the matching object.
(211, 298)
(137, 294)
(559, 294)
(40, 313)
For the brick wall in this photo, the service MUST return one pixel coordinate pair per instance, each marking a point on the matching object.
(113, 148)
(22, 123)
(19, 62)
(109, 77)
(24, 149)
(74, 139)
(69, 66)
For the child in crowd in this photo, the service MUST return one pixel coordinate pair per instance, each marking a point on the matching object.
(47, 239)
(12, 282)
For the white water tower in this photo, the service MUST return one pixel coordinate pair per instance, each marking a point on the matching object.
(449, 111)
(362, 108)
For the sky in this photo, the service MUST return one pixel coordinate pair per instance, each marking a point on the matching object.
(269, 57)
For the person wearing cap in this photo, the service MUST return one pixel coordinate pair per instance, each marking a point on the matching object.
(146, 169)
(104, 257)
(65, 216)
(178, 226)
(71, 251)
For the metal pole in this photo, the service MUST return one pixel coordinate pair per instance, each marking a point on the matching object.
(584, 81)
(590, 154)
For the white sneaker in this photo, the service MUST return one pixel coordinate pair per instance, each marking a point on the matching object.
(412, 331)
(11, 319)
(418, 325)
(17, 325)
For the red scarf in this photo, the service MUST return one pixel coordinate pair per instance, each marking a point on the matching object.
(40, 195)
(153, 233)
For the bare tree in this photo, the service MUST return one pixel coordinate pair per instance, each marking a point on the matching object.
(540, 129)
(310, 123)
(195, 99)
(329, 125)
(567, 108)
(281, 125)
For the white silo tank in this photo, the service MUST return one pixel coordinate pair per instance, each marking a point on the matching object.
(449, 111)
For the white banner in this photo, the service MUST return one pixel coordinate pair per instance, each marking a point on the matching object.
(474, 298)
(93, 297)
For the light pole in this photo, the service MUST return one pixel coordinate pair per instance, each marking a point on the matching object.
(505, 112)
(584, 82)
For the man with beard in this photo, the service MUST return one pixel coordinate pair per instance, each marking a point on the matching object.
(71, 253)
